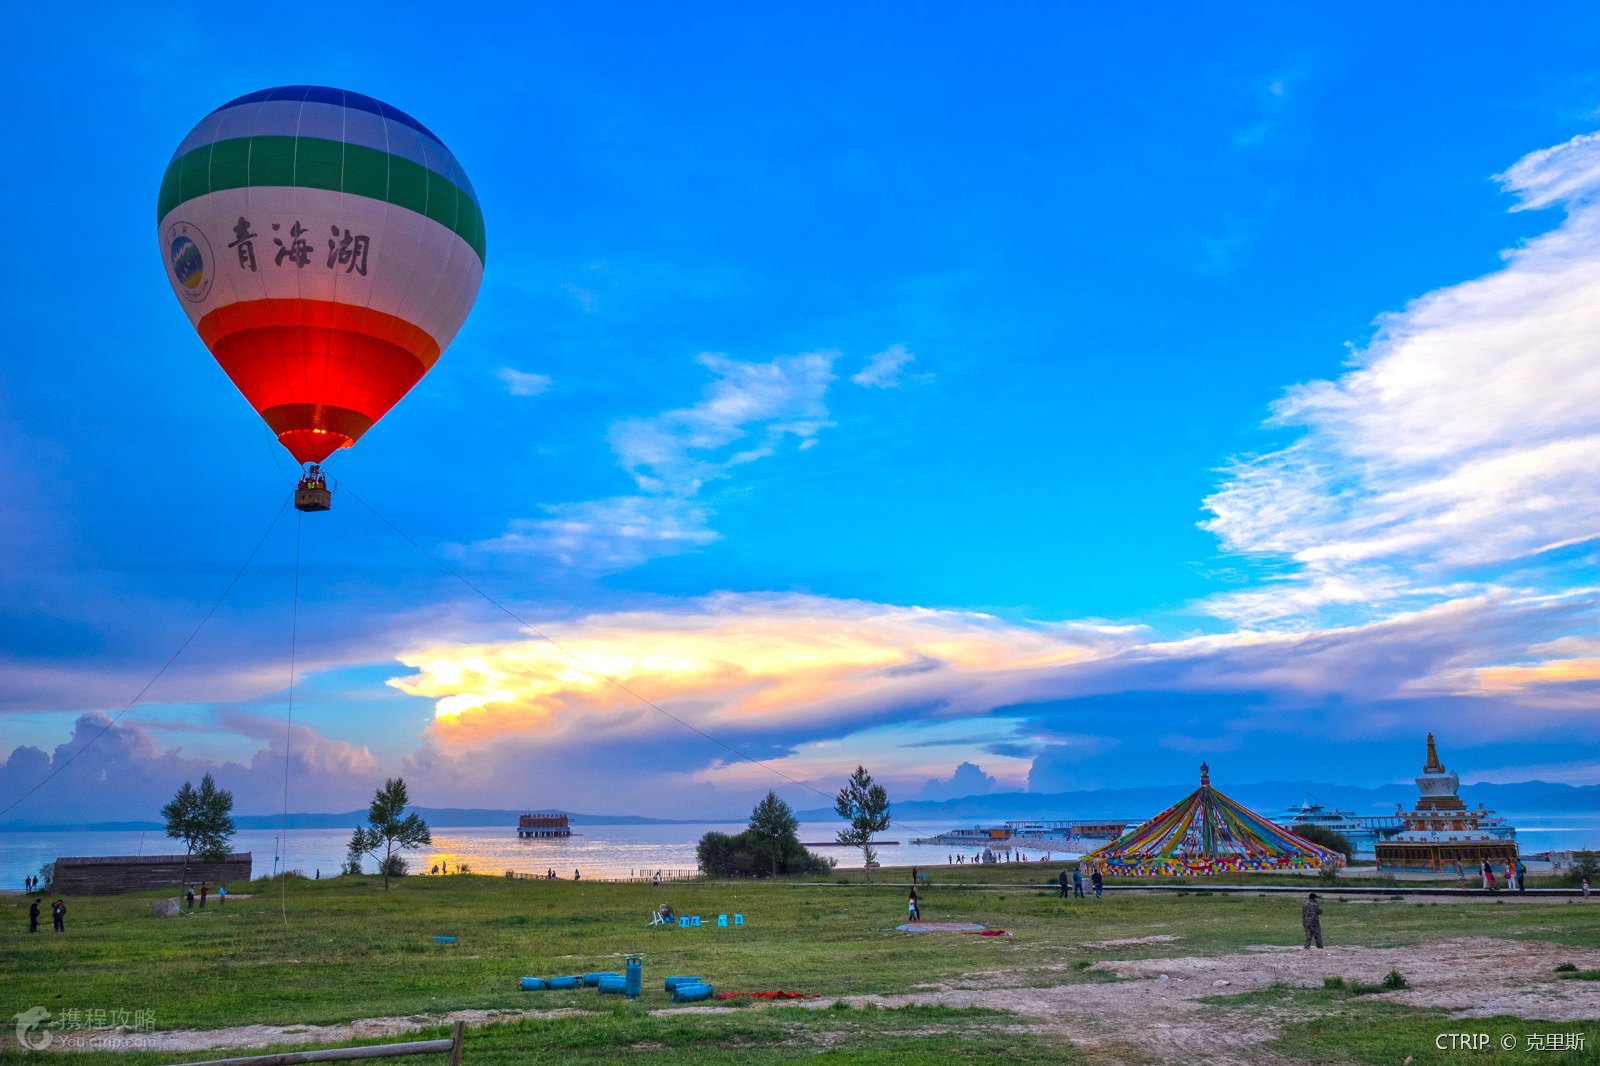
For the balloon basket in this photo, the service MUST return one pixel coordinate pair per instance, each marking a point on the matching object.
(313, 499)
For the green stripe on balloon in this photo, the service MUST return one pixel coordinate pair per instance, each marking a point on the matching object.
(313, 163)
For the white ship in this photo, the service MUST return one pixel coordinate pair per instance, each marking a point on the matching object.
(1363, 833)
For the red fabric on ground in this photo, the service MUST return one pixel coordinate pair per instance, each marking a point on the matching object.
(780, 994)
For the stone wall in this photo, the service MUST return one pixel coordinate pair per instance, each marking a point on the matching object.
(104, 875)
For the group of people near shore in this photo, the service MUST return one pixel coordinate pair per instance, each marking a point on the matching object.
(1515, 875)
(58, 915)
(1096, 881)
(205, 891)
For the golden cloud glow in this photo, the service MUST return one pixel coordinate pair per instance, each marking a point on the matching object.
(1499, 680)
(771, 660)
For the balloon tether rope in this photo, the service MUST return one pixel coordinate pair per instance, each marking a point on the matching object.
(212, 610)
(579, 660)
(288, 723)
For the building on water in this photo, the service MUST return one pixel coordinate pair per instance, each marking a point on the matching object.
(1442, 830)
(540, 825)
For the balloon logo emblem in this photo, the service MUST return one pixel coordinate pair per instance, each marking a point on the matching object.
(188, 262)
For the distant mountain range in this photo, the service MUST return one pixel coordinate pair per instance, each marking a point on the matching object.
(436, 817)
(1132, 804)
(1267, 797)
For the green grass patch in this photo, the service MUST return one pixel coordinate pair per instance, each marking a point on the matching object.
(1581, 975)
(1387, 1034)
(319, 952)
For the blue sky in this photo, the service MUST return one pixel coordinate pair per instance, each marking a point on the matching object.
(1075, 394)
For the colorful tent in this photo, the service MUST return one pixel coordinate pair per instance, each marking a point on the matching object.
(1207, 833)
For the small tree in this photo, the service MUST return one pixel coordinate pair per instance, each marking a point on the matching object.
(719, 855)
(865, 805)
(387, 833)
(1585, 867)
(202, 819)
(772, 826)
(1322, 836)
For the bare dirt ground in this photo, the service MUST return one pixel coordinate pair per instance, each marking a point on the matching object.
(1152, 1012)
(258, 1036)
(1156, 1014)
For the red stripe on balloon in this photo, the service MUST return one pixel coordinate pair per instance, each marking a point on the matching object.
(322, 314)
(318, 386)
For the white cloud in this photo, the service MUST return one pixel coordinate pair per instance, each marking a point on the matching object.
(1465, 440)
(967, 780)
(522, 383)
(745, 414)
(587, 299)
(883, 370)
(749, 411)
(611, 534)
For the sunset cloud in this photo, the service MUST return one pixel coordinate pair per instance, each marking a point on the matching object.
(749, 663)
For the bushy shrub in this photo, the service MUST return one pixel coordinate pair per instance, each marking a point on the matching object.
(1321, 835)
(743, 855)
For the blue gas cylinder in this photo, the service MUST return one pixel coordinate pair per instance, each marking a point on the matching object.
(635, 977)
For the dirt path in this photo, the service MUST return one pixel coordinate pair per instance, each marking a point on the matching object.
(1153, 1013)
(366, 1029)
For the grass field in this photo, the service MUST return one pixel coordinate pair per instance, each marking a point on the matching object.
(313, 952)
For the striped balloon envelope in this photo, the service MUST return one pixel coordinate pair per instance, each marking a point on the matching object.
(326, 247)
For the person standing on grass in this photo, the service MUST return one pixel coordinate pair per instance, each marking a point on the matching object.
(1077, 883)
(190, 896)
(1461, 875)
(1098, 882)
(33, 917)
(1311, 920)
(913, 911)
(58, 911)
(1063, 879)
(222, 895)
(204, 888)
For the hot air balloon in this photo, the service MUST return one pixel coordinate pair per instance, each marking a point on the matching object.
(326, 247)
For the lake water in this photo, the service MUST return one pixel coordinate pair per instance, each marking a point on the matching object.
(597, 850)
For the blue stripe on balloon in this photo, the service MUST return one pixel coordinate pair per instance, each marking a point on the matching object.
(323, 95)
